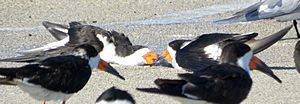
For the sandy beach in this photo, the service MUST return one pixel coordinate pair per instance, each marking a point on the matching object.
(153, 23)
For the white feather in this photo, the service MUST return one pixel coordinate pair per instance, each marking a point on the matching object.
(114, 102)
(108, 54)
(244, 61)
(187, 94)
(47, 46)
(40, 93)
(173, 55)
(213, 51)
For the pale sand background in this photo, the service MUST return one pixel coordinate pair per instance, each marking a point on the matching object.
(149, 22)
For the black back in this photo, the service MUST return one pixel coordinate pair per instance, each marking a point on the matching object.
(225, 84)
(66, 73)
(123, 45)
(85, 34)
(177, 44)
(193, 56)
(115, 94)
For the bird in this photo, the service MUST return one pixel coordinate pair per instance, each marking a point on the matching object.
(114, 95)
(56, 78)
(297, 56)
(205, 50)
(227, 82)
(213, 43)
(280, 10)
(117, 47)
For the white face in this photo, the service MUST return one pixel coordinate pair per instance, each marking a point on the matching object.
(173, 55)
(244, 61)
(108, 54)
(114, 102)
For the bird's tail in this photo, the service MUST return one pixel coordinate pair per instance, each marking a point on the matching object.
(9, 72)
(8, 75)
(7, 81)
(20, 59)
(166, 87)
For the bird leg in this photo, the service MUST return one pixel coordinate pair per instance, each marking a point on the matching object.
(295, 25)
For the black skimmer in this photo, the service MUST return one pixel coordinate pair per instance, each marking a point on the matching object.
(115, 96)
(228, 82)
(117, 47)
(280, 10)
(206, 49)
(56, 78)
(79, 34)
(297, 56)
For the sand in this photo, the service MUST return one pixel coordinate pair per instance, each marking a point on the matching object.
(147, 22)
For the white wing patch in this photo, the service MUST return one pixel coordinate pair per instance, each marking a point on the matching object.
(213, 51)
(114, 102)
(47, 46)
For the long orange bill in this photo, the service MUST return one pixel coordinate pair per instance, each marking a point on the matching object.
(104, 66)
(150, 57)
(256, 63)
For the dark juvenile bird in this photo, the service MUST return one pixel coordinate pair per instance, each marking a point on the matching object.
(115, 96)
(56, 78)
(228, 82)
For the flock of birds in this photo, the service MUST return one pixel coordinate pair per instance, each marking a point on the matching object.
(218, 65)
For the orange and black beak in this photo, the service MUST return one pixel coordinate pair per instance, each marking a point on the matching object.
(256, 63)
(163, 60)
(150, 57)
(104, 66)
(166, 55)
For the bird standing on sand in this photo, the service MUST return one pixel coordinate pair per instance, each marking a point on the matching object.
(228, 82)
(56, 78)
(206, 50)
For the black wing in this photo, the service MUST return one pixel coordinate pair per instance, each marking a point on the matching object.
(58, 31)
(194, 57)
(220, 83)
(67, 74)
(41, 55)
